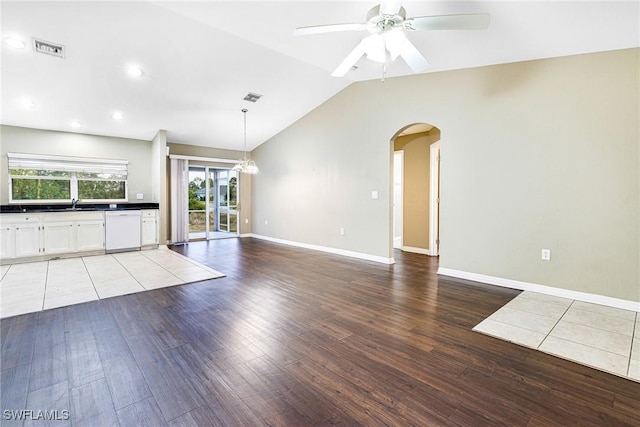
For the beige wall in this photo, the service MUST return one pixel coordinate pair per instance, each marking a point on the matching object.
(244, 182)
(539, 154)
(35, 141)
(416, 186)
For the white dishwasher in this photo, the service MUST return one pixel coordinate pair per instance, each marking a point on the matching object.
(122, 230)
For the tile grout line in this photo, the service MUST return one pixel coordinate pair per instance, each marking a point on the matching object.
(153, 261)
(633, 335)
(44, 294)
(5, 273)
(90, 277)
(554, 326)
(128, 272)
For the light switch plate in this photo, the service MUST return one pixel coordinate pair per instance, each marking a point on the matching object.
(139, 196)
(374, 194)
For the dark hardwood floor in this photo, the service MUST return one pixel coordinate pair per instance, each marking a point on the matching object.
(293, 337)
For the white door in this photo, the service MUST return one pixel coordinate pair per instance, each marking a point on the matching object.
(398, 198)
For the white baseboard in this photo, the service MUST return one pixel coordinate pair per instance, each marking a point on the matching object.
(411, 249)
(543, 289)
(327, 249)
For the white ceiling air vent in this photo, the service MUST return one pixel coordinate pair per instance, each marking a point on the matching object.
(252, 97)
(49, 48)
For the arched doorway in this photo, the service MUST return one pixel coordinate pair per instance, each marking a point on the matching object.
(416, 189)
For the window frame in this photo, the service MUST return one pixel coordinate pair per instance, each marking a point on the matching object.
(72, 165)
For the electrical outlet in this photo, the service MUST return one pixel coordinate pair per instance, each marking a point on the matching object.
(374, 194)
(342, 231)
(246, 220)
(546, 254)
(266, 222)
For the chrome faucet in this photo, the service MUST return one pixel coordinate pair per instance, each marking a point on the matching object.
(74, 202)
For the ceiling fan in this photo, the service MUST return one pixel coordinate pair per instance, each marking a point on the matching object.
(387, 23)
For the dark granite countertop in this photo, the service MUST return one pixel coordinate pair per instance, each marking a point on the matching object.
(37, 208)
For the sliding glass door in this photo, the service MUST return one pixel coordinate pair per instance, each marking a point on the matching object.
(213, 201)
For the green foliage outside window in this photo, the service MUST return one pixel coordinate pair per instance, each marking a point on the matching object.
(40, 189)
(197, 188)
(88, 190)
(197, 193)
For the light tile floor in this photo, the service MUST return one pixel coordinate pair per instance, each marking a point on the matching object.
(602, 337)
(36, 286)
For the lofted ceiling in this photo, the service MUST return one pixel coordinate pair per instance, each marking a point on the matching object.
(199, 59)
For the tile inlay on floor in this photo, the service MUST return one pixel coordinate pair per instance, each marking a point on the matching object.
(602, 337)
(36, 286)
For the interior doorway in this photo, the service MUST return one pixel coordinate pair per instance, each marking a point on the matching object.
(398, 200)
(416, 189)
(212, 203)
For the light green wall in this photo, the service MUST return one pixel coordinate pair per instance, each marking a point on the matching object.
(539, 154)
(25, 140)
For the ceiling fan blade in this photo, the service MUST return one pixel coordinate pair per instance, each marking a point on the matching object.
(390, 7)
(413, 57)
(469, 21)
(330, 28)
(350, 60)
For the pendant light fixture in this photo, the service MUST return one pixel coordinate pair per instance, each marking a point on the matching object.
(245, 165)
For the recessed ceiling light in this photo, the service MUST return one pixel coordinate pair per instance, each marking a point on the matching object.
(15, 42)
(134, 71)
(117, 115)
(29, 104)
(75, 124)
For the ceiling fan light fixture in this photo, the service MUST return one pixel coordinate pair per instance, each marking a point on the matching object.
(374, 48)
(394, 41)
(387, 22)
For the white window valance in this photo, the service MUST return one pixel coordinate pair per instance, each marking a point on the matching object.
(67, 164)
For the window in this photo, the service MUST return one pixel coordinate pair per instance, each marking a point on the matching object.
(57, 179)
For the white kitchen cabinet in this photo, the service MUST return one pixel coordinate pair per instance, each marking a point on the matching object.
(59, 237)
(27, 240)
(7, 241)
(26, 234)
(90, 235)
(20, 235)
(149, 227)
(70, 232)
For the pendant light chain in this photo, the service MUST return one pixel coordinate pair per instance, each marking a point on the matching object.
(244, 111)
(245, 165)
